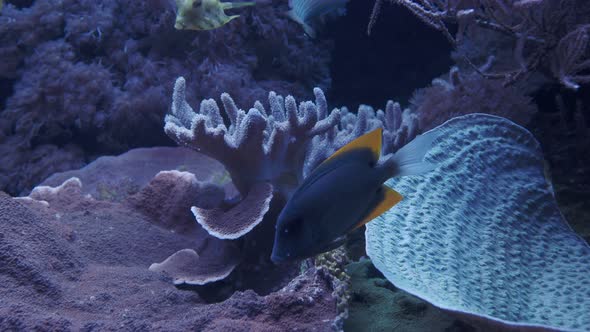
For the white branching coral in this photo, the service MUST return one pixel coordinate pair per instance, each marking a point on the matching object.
(281, 145)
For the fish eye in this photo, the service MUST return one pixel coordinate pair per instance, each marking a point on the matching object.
(371, 164)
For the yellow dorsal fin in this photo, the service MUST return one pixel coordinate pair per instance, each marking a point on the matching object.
(370, 140)
(390, 198)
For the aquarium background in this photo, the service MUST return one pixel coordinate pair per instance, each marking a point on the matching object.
(98, 201)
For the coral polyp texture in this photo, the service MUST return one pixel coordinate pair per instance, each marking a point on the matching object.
(283, 144)
(85, 267)
(482, 234)
(269, 152)
(97, 74)
(463, 93)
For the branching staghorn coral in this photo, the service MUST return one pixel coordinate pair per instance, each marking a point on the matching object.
(274, 148)
(283, 143)
(256, 146)
(548, 35)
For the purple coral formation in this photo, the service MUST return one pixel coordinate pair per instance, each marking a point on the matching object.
(87, 255)
(464, 93)
(164, 200)
(85, 268)
(547, 36)
(93, 77)
(114, 178)
(79, 79)
(239, 220)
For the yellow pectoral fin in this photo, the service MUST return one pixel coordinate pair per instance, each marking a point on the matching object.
(370, 140)
(390, 198)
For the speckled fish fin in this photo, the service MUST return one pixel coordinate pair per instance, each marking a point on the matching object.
(231, 5)
(390, 198)
(371, 141)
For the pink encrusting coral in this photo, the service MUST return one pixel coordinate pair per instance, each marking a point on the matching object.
(114, 178)
(164, 201)
(240, 219)
(87, 257)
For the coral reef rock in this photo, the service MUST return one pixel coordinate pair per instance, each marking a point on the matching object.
(482, 234)
(114, 178)
(71, 262)
(376, 305)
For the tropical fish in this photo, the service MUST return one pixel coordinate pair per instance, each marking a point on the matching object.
(204, 14)
(343, 193)
(307, 12)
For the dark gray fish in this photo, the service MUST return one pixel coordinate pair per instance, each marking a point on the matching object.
(343, 193)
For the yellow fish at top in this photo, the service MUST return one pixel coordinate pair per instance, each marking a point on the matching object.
(204, 14)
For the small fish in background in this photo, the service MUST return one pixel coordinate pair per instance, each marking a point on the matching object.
(343, 193)
(204, 14)
(309, 12)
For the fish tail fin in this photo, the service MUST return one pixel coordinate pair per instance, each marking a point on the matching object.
(306, 27)
(409, 160)
(232, 5)
(291, 14)
(309, 30)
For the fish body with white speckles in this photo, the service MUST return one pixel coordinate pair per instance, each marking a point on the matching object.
(205, 14)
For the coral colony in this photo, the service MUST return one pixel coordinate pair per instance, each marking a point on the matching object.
(110, 222)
